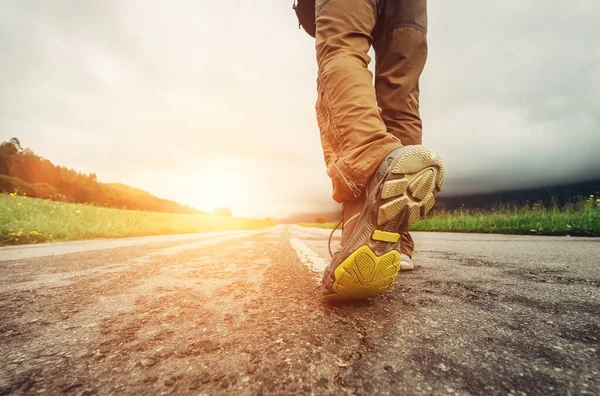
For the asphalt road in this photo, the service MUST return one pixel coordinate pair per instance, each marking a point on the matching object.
(240, 313)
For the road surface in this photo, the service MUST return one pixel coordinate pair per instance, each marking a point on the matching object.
(240, 313)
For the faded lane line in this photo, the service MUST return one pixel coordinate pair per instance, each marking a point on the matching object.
(201, 243)
(50, 249)
(309, 258)
(67, 278)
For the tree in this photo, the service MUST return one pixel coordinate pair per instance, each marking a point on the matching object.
(16, 143)
(222, 212)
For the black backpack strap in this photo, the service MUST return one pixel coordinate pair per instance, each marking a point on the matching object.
(305, 11)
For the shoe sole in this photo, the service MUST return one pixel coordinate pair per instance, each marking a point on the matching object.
(407, 194)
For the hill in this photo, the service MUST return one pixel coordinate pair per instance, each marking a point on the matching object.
(22, 171)
(559, 194)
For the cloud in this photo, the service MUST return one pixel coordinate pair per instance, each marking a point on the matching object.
(509, 94)
(152, 93)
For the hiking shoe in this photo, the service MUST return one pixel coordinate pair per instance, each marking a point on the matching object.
(401, 191)
(350, 214)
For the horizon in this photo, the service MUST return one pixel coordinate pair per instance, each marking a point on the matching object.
(443, 196)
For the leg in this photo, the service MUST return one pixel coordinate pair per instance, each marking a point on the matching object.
(401, 52)
(354, 137)
(398, 184)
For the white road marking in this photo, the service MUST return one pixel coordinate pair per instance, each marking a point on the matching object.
(204, 242)
(67, 278)
(50, 249)
(308, 257)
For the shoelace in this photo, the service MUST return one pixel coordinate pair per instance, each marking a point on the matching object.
(331, 235)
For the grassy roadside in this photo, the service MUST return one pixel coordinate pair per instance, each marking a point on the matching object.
(581, 218)
(26, 220)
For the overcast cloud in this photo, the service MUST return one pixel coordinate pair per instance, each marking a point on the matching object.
(155, 94)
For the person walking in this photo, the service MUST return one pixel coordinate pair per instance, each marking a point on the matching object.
(371, 134)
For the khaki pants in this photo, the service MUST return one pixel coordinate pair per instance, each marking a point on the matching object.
(361, 123)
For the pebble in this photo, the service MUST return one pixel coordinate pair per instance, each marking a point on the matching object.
(147, 362)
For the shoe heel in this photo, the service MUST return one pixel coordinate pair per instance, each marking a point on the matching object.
(363, 274)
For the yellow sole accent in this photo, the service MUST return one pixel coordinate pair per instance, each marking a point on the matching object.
(385, 236)
(363, 274)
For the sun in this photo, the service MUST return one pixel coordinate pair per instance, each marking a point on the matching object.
(217, 186)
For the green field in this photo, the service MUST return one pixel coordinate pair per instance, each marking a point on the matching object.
(30, 220)
(580, 218)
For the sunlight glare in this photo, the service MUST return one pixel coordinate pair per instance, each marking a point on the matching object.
(219, 185)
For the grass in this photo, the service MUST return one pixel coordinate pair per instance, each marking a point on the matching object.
(319, 225)
(579, 218)
(26, 220)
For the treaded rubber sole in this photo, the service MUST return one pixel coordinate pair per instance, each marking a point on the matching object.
(364, 274)
(412, 196)
(407, 195)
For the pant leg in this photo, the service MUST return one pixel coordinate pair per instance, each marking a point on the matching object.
(354, 137)
(400, 54)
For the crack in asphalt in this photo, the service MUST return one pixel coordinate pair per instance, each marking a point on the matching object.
(356, 354)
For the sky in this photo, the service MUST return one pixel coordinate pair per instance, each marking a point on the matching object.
(212, 103)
